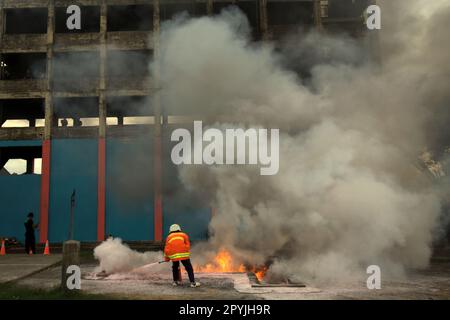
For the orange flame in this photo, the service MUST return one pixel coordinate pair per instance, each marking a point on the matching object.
(260, 273)
(223, 262)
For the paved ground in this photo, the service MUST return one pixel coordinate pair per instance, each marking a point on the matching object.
(156, 284)
(433, 283)
(430, 284)
(16, 266)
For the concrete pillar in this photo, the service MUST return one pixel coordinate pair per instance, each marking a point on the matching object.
(157, 170)
(209, 7)
(48, 115)
(45, 191)
(2, 25)
(263, 22)
(49, 83)
(101, 175)
(102, 113)
(49, 121)
(317, 15)
(103, 75)
(156, 33)
(71, 257)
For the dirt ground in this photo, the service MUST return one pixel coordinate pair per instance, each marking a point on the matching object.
(432, 283)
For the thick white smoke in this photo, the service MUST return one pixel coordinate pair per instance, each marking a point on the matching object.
(347, 194)
(116, 257)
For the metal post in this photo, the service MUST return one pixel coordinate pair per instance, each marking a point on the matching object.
(72, 209)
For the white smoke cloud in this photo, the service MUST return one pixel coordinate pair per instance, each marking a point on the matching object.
(116, 257)
(347, 194)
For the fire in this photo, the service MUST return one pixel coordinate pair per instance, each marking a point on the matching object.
(260, 273)
(223, 262)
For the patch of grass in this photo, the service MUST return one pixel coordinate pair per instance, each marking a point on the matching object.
(15, 292)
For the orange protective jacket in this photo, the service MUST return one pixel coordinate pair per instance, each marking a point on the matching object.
(177, 246)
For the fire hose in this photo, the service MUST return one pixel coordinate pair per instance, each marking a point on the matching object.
(141, 268)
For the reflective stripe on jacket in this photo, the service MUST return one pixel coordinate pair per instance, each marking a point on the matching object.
(177, 246)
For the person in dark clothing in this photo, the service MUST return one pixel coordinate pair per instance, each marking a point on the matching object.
(64, 122)
(189, 269)
(30, 240)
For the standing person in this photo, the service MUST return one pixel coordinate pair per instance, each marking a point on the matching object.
(30, 240)
(177, 249)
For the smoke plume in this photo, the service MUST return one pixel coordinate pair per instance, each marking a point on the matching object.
(348, 193)
(116, 257)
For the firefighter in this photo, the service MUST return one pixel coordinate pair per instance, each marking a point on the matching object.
(177, 249)
(30, 240)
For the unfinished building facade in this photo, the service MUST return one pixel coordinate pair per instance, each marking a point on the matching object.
(100, 130)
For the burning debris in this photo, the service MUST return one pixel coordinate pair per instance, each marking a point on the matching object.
(223, 262)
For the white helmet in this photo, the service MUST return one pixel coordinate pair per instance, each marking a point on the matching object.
(174, 227)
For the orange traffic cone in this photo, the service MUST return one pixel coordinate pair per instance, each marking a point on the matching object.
(47, 249)
(3, 250)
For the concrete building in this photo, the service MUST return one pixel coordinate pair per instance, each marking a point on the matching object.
(102, 131)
